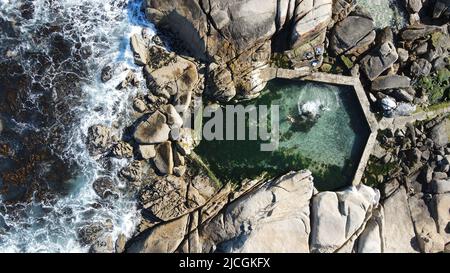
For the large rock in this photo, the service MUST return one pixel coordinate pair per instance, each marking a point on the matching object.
(414, 5)
(165, 198)
(399, 230)
(164, 158)
(428, 239)
(120, 243)
(371, 239)
(147, 151)
(440, 186)
(122, 150)
(170, 197)
(420, 213)
(379, 60)
(132, 172)
(152, 130)
(106, 73)
(402, 95)
(105, 187)
(441, 9)
(418, 31)
(172, 76)
(92, 232)
(174, 120)
(388, 104)
(342, 8)
(272, 218)
(338, 216)
(442, 214)
(440, 134)
(403, 54)
(104, 244)
(353, 35)
(430, 242)
(161, 239)
(99, 139)
(391, 82)
(238, 35)
(421, 67)
(139, 105)
(140, 49)
(221, 86)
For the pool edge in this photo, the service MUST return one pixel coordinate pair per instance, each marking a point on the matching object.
(290, 74)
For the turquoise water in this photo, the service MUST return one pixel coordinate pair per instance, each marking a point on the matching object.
(330, 144)
(386, 13)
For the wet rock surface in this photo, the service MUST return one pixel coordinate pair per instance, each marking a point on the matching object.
(105, 187)
(99, 139)
(139, 47)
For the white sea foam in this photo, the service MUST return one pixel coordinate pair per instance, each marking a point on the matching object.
(105, 26)
(313, 103)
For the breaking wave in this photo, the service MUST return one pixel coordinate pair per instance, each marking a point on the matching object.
(102, 29)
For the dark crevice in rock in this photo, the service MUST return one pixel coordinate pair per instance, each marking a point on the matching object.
(281, 40)
(342, 42)
(210, 21)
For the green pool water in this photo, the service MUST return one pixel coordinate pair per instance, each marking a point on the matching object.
(330, 145)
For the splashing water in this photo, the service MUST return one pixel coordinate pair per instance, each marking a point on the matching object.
(312, 108)
(320, 102)
(103, 27)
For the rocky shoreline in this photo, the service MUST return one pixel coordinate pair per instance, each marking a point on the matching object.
(227, 47)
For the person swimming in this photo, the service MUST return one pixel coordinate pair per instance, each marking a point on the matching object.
(290, 118)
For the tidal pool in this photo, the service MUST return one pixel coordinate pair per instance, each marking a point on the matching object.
(322, 128)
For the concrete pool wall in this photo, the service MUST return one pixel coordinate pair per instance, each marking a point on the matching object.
(289, 74)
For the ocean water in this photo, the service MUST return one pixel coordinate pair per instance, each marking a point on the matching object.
(329, 143)
(75, 38)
